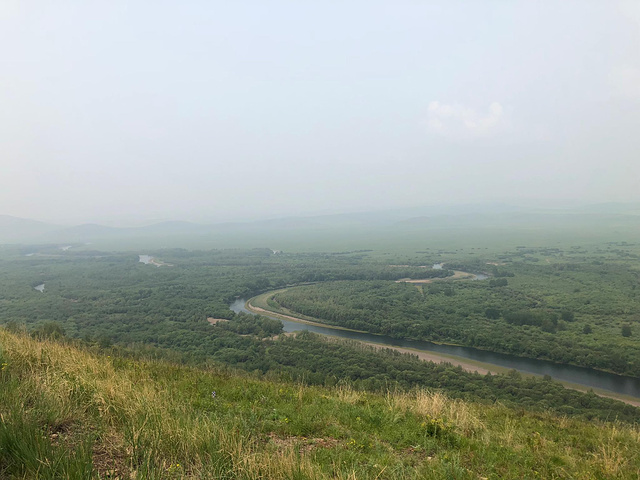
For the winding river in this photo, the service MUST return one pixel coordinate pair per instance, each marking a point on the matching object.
(581, 376)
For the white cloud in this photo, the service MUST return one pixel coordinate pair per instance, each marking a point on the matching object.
(458, 121)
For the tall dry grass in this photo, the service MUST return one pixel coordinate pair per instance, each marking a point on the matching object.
(148, 427)
(69, 413)
(431, 404)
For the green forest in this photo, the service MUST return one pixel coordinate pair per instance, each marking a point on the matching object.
(534, 302)
(584, 314)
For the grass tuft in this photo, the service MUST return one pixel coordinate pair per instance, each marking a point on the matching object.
(69, 413)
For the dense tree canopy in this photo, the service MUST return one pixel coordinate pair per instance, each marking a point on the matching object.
(571, 310)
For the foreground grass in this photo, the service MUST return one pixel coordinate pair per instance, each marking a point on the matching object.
(68, 413)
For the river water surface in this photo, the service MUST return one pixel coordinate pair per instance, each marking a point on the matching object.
(586, 377)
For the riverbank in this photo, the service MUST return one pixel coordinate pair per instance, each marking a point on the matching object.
(466, 364)
(249, 305)
(457, 275)
(484, 368)
(435, 358)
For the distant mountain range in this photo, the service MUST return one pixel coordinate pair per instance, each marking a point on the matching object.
(17, 229)
(20, 230)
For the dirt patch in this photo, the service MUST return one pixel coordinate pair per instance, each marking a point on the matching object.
(457, 275)
(419, 452)
(415, 282)
(304, 444)
(109, 456)
(281, 335)
(63, 426)
(409, 266)
(320, 443)
(110, 463)
(213, 321)
(158, 263)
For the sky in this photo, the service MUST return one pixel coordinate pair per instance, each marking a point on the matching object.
(119, 111)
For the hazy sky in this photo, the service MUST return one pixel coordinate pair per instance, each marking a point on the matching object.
(208, 110)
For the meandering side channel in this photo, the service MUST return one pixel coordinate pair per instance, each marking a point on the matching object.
(623, 388)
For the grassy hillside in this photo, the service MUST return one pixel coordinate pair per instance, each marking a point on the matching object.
(70, 413)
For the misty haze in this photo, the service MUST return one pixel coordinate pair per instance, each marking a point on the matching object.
(315, 240)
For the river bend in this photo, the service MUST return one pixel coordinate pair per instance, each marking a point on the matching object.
(585, 377)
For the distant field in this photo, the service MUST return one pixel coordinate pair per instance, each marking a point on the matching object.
(402, 232)
(383, 242)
